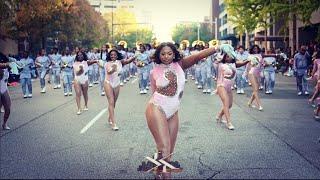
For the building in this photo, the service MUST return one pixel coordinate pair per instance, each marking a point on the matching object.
(298, 33)
(105, 6)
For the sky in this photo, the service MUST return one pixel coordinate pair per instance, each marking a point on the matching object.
(164, 14)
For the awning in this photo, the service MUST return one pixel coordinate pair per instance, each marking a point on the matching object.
(271, 38)
(231, 37)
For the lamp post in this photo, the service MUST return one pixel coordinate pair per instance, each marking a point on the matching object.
(198, 31)
(112, 22)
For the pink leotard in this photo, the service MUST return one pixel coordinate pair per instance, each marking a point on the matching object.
(114, 78)
(168, 104)
(82, 78)
(224, 71)
(317, 73)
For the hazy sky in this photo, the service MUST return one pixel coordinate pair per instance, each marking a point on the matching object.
(164, 14)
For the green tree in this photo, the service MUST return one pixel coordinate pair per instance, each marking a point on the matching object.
(244, 15)
(189, 31)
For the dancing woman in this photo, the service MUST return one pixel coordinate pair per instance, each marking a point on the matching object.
(167, 84)
(254, 75)
(226, 72)
(5, 100)
(80, 68)
(112, 81)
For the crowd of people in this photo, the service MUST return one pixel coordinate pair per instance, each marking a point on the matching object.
(162, 70)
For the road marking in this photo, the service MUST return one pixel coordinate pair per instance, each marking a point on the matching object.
(133, 81)
(93, 121)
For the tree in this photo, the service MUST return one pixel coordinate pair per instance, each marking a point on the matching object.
(7, 17)
(70, 22)
(244, 14)
(188, 31)
(127, 28)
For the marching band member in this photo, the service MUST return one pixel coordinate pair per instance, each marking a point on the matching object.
(25, 75)
(142, 62)
(103, 59)
(42, 62)
(113, 68)
(55, 58)
(80, 68)
(167, 84)
(67, 63)
(226, 73)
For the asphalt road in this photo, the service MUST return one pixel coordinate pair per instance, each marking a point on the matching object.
(46, 139)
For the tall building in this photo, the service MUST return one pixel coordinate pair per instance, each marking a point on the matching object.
(299, 33)
(105, 6)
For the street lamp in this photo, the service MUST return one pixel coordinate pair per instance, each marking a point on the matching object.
(198, 31)
(112, 22)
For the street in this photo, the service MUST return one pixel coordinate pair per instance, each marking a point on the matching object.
(48, 140)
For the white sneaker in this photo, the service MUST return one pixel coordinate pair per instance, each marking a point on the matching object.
(241, 91)
(121, 84)
(6, 127)
(55, 87)
(306, 93)
(125, 81)
(270, 92)
(267, 92)
(196, 83)
(260, 108)
(145, 91)
(230, 126)
(25, 96)
(90, 85)
(261, 87)
(147, 88)
(103, 93)
(79, 112)
(204, 91)
(299, 93)
(85, 109)
(43, 90)
(115, 128)
(208, 90)
(29, 95)
(59, 86)
(199, 87)
(238, 91)
(141, 92)
(70, 93)
(65, 94)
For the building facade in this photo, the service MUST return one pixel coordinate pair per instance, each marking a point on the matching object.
(105, 6)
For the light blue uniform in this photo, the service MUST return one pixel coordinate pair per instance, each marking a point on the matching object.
(56, 68)
(67, 73)
(42, 71)
(143, 71)
(25, 75)
(240, 80)
(102, 73)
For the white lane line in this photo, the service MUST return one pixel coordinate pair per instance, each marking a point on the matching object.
(133, 81)
(93, 121)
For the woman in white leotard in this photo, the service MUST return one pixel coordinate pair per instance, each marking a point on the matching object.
(80, 68)
(5, 100)
(113, 69)
(167, 84)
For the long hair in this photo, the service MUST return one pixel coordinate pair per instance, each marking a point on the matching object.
(177, 56)
(85, 57)
(119, 55)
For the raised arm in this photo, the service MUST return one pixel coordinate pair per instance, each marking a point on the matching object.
(4, 65)
(92, 62)
(188, 61)
(239, 64)
(127, 61)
